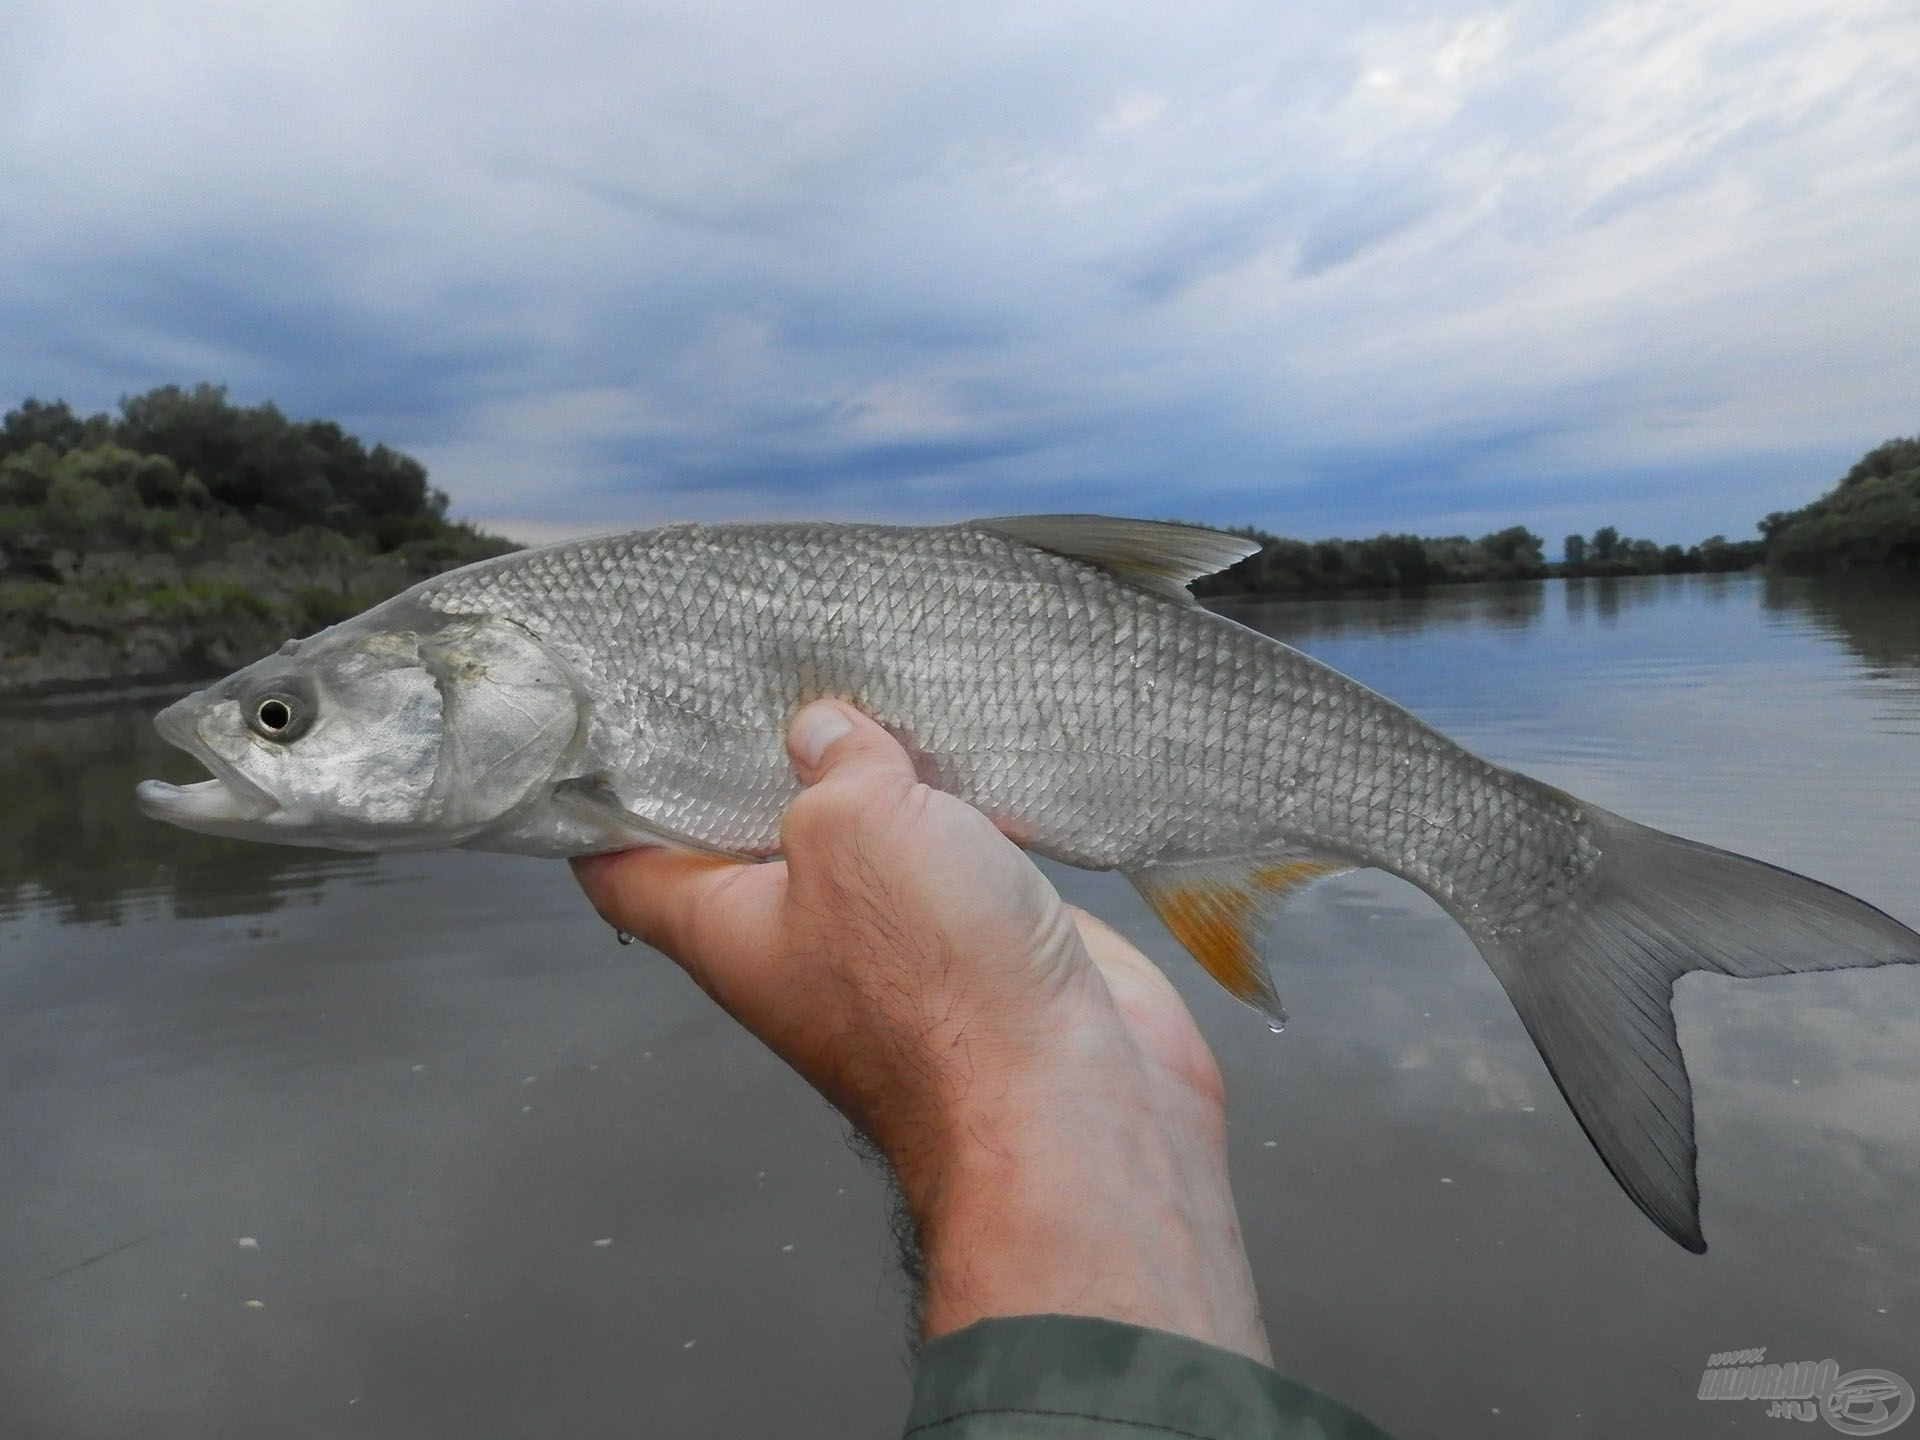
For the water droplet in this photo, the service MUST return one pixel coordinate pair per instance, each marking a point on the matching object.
(623, 937)
(1278, 1027)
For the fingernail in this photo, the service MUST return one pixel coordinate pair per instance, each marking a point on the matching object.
(814, 729)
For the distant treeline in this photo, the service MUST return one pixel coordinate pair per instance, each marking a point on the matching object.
(1608, 552)
(1409, 562)
(1870, 519)
(1386, 562)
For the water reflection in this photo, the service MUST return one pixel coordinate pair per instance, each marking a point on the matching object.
(1876, 617)
(75, 845)
(1871, 615)
(1501, 607)
(1604, 599)
(509, 1176)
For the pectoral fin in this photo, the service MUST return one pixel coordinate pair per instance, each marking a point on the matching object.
(1218, 909)
(594, 803)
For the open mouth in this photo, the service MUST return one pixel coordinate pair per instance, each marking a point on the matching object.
(227, 799)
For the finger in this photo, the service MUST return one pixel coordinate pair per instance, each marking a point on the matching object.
(828, 739)
(693, 907)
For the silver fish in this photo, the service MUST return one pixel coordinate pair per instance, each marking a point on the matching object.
(1055, 672)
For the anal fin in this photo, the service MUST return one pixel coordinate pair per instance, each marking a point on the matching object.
(1218, 909)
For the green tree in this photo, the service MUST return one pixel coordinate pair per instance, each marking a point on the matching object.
(282, 473)
(1643, 556)
(1575, 548)
(1519, 553)
(40, 422)
(26, 477)
(78, 504)
(1717, 554)
(1870, 518)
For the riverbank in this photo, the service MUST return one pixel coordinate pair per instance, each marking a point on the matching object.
(81, 620)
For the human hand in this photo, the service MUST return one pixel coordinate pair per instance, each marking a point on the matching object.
(1054, 1117)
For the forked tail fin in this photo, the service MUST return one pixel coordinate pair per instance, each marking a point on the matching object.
(1594, 982)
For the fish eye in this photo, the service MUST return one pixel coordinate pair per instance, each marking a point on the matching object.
(279, 716)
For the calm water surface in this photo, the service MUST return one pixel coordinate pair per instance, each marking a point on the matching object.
(294, 1144)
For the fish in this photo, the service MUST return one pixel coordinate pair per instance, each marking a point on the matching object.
(1056, 672)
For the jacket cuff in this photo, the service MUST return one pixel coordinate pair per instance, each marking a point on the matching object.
(1084, 1371)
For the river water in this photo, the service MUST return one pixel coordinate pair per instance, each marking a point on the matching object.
(294, 1144)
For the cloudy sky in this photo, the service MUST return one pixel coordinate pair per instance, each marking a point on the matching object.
(1330, 269)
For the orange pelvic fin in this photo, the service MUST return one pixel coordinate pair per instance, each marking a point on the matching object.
(1218, 909)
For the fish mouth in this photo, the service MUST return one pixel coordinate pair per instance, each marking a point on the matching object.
(217, 806)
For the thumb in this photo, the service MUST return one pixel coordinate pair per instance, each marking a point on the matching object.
(832, 739)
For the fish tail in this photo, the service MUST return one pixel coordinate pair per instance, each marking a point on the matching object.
(1593, 982)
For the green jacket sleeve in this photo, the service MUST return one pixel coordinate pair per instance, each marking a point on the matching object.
(1040, 1377)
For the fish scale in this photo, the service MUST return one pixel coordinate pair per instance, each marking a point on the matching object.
(1053, 671)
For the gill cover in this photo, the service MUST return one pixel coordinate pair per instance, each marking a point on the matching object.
(510, 710)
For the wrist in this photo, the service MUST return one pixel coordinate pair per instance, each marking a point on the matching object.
(1094, 1186)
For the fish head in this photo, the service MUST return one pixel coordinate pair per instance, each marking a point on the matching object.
(412, 731)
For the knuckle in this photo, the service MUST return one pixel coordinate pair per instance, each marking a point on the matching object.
(831, 813)
(816, 817)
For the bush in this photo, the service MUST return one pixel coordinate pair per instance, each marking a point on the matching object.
(1871, 518)
(26, 477)
(78, 505)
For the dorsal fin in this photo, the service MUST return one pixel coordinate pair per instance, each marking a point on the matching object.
(1157, 555)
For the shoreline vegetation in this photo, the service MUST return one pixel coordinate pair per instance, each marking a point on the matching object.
(186, 535)
(1869, 520)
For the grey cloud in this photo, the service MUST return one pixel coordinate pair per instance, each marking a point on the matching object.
(1357, 225)
(1246, 262)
